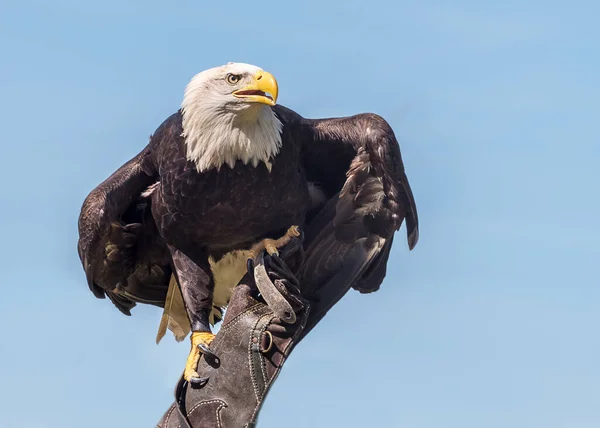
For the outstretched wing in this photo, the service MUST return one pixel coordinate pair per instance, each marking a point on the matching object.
(356, 162)
(121, 252)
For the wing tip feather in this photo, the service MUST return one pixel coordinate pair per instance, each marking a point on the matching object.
(413, 238)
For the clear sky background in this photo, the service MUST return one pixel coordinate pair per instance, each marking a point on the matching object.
(492, 321)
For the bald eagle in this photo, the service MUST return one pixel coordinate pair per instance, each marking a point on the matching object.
(229, 171)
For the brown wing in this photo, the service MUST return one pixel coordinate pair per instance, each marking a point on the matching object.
(356, 161)
(119, 246)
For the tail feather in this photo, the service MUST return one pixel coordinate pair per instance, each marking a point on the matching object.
(174, 314)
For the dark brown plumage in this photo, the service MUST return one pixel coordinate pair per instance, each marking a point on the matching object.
(356, 161)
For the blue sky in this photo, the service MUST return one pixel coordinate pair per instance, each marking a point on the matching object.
(490, 322)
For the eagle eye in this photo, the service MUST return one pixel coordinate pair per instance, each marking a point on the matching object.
(232, 79)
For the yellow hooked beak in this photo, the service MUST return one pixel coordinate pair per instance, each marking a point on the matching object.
(263, 89)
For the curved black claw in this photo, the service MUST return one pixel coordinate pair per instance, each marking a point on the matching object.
(211, 358)
(250, 265)
(198, 382)
(301, 237)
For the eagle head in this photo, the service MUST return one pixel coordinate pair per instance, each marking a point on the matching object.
(227, 117)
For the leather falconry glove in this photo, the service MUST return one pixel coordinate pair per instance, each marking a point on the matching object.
(249, 350)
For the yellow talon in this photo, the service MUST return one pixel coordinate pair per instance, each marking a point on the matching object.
(272, 245)
(198, 337)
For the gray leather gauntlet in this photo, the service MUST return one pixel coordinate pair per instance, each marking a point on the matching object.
(248, 352)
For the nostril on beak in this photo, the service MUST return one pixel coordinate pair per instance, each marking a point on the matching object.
(259, 77)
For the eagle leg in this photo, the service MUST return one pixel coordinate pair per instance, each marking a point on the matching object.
(272, 246)
(197, 287)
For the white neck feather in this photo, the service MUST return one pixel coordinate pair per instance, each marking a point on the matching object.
(216, 136)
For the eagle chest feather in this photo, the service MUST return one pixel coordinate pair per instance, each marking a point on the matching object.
(223, 209)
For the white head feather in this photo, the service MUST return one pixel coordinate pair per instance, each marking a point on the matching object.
(219, 128)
